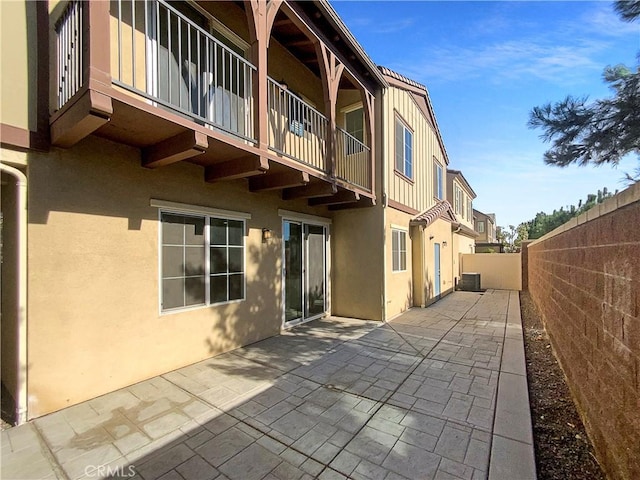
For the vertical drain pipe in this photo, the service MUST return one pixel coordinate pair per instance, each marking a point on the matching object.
(21, 281)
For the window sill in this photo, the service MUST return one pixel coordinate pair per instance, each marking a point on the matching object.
(403, 176)
(191, 308)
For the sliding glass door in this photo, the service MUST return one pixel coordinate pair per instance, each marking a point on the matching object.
(305, 271)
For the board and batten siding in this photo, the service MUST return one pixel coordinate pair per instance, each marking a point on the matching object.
(417, 194)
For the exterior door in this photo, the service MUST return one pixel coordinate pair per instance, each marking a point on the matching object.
(436, 262)
(315, 270)
(305, 271)
(292, 277)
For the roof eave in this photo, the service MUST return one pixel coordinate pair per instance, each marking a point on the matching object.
(337, 22)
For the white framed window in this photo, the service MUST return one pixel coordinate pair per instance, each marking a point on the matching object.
(438, 188)
(399, 250)
(469, 209)
(404, 149)
(354, 122)
(183, 260)
(202, 260)
(481, 226)
(457, 199)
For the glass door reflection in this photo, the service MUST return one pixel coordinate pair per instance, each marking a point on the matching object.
(292, 236)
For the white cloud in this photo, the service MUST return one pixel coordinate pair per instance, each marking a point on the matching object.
(381, 28)
(603, 20)
(566, 54)
(507, 61)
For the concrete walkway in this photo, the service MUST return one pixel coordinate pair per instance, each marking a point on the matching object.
(437, 393)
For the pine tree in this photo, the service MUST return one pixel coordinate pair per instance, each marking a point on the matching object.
(598, 132)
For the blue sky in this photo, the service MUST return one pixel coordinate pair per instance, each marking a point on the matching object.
(486, 65)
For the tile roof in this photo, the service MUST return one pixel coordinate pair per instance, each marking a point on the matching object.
(402, 78)
(442, 209)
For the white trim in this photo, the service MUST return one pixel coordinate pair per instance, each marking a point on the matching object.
(352, 108)
(406, 250)
(398, 227)
(313, 221)
(304, 217)
(198, 209)
(207, 246)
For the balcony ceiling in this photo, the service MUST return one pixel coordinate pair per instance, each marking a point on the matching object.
(289, 36)
(301, 47)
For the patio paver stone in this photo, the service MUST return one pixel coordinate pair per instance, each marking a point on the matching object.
(436, 393)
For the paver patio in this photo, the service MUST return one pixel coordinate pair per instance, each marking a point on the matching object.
(437, 393)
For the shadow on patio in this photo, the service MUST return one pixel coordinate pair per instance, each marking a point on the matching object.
(335, 398)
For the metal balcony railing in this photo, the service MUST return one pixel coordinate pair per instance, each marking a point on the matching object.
(171, 60)
(296, 129)
(353, 163)
(165, 54)
(69, 43)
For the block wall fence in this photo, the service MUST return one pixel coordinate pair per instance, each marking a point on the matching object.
(585, 279)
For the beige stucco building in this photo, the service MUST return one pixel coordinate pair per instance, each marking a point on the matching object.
(173, 189)
(188, 190)
(423, 234)
(461, 196)
(485, 226)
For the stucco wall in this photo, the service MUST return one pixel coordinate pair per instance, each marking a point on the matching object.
(18, 82)
(441, 232)
(9, 269)
(501, 271)
(399, 285)
(585, 279)
(358, 263)
(423, 262)
(462, 245)
(94, 322)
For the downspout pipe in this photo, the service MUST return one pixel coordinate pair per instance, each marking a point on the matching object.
(21, 282)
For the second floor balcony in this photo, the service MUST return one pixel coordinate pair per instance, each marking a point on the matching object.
(173, 80)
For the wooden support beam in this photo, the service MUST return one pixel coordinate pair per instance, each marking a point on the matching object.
(364, 202)
(346, 196)
(284, 22)
(278, 181)
(299, 43)
(238, 168)
(180, 147)
(314, 190)
(88, 113)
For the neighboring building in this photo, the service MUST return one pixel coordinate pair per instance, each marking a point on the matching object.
(461, 196)
(485, 225)
(189, 189)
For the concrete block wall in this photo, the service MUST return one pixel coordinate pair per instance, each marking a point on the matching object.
(585, 279)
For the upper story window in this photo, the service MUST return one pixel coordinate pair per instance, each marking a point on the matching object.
(438, 187)
(469, 209)
(458, 200)
(480, 226)
(354, 126)
(354, 123)
(404, 149)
